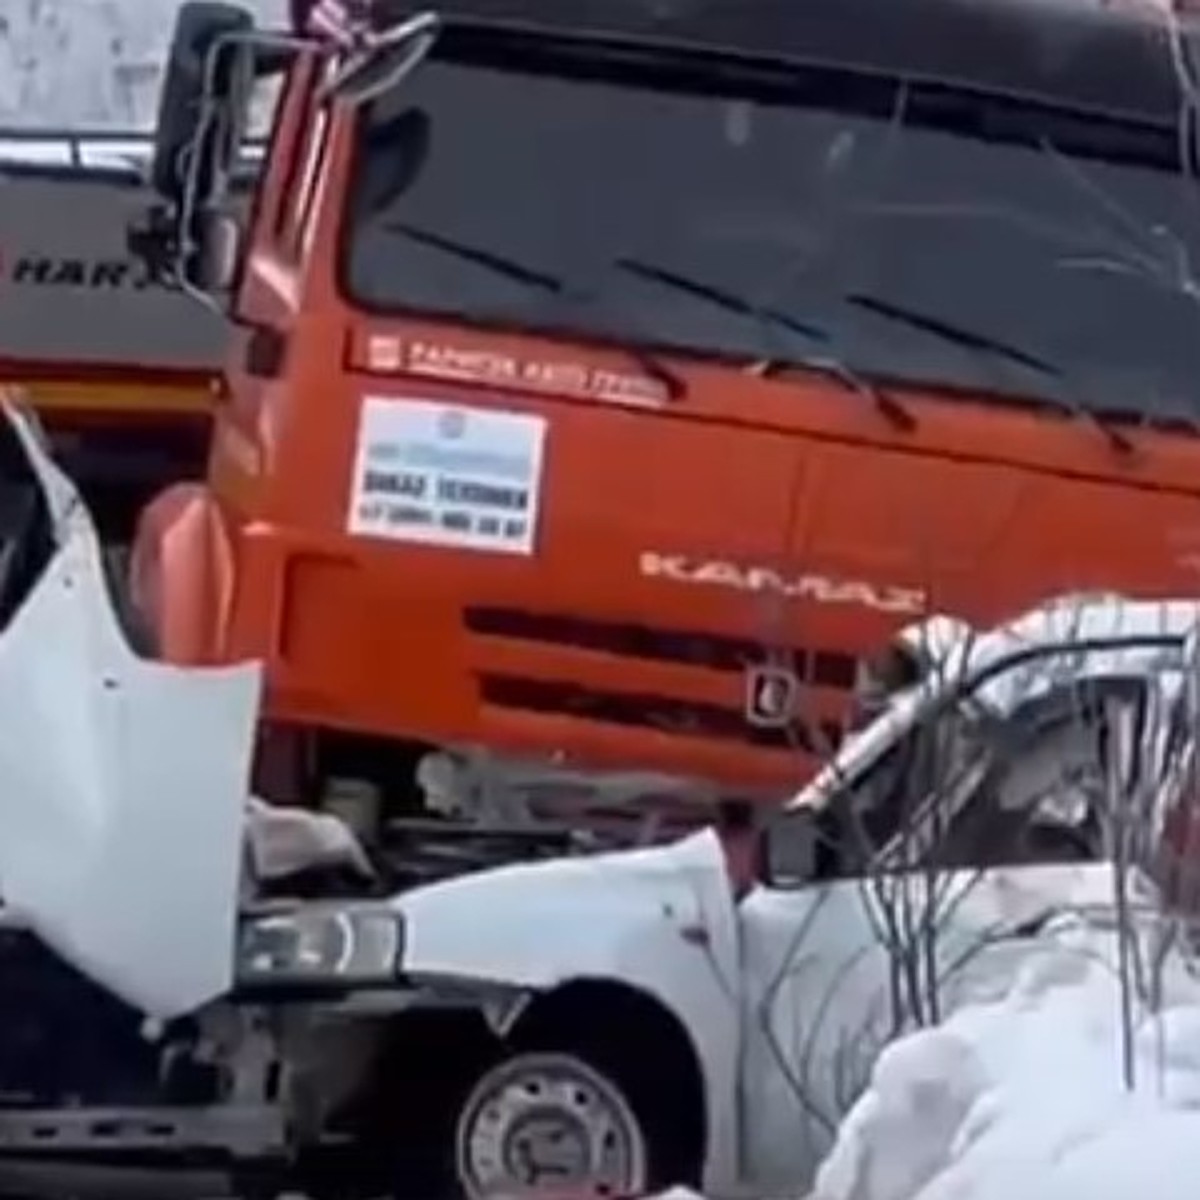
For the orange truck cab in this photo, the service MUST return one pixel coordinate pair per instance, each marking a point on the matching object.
(608, 379)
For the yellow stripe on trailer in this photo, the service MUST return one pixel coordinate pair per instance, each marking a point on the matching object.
(149, 399)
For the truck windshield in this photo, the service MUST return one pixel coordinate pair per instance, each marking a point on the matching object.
(753, 212)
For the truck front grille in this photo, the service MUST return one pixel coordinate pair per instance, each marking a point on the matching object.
(663, 714)
(827, 670)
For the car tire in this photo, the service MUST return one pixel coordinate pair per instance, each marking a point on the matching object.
(553, 1124)
(409, 1128)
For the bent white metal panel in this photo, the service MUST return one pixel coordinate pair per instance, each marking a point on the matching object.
(122, 784)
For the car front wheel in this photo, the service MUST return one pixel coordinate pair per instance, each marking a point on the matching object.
(550, 1123)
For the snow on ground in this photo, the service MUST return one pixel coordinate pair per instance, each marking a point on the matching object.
(91, 64)
(1024, 1097)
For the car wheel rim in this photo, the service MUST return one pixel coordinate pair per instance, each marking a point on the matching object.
(546, 1125)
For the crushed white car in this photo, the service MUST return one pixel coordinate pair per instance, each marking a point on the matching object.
(1082, 1075)
(760, 1020)
(619, 1020)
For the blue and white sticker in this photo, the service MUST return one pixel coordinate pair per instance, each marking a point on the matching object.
(447, 475)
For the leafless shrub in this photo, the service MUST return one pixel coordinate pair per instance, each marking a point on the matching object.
(1135, 802)
(1064, 775)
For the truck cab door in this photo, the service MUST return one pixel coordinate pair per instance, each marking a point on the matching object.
(275, 255)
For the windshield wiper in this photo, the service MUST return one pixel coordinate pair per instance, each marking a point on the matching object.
(718, 296)
(950, 332)
(509, 268)
(983, 343)
(886, 404)
(496, 263)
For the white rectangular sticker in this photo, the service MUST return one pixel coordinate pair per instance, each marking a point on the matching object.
(447, 475)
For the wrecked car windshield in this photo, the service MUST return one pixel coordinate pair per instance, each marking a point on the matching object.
(969, 790)
(755, 212)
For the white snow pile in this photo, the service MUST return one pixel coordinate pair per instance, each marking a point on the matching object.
(1024, 1095)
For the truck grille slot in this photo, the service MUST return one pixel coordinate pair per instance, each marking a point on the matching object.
(717, 652)
(663, 714)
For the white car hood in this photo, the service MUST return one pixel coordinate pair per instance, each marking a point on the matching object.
(567, 916)
(122, 782)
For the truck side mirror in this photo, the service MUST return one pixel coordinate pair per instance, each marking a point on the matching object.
(193, 75)
(218, 242)
(210, 262)
(788, 853)
(385, 59)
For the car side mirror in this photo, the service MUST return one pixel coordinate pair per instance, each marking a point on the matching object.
(788, 851)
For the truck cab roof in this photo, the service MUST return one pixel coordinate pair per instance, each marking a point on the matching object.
(1112, 58)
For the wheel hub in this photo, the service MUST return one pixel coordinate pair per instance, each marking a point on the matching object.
(548, 1124)
(545, 1145)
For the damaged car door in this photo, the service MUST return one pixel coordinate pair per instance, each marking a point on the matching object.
(904, 894)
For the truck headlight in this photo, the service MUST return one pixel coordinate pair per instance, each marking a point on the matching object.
(320, 946)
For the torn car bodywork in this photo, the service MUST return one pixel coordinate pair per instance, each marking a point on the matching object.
(124, 780)
(785, 996)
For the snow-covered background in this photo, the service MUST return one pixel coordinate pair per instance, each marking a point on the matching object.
(92, 64)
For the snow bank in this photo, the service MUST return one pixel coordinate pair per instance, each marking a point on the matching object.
(1024, 1096)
